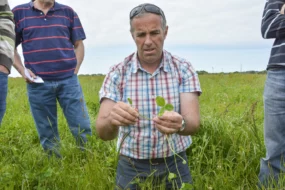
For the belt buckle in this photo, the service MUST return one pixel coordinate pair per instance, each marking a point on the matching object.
(153, 163)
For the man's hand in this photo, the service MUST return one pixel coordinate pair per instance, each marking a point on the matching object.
(170, 122)
(282, 10)
(28, 80)
(112, 115)
(3, 69)
(21, 69)
(123, 114)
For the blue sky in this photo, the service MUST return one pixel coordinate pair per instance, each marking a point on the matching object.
(218, 36)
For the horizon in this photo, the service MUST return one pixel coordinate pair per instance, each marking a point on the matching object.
(218, 42)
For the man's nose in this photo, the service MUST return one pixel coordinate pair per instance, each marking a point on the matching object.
(148, 40)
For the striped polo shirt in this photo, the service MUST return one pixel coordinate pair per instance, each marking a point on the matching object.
(273, 26)
(129, 80)
(48, 40)
(7, 35)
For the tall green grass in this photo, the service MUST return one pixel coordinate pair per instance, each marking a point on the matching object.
(225, 152)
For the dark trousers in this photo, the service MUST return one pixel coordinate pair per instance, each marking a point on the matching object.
(3, 94)
(167, 172)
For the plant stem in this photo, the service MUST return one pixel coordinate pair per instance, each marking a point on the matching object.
(172, 150)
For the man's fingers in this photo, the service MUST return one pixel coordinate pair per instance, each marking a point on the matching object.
(28, 80)
(165, 130)
(123, 107)
(170, 117)
(32, 74)
(122, 119)
(124, 115)
(169, 123)
(282, 9)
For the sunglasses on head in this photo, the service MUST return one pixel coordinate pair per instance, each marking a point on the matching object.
(150, 8)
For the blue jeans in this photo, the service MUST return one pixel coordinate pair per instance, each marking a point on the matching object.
(130, 172)
(3, 94)
(43, 99)
(274, 128)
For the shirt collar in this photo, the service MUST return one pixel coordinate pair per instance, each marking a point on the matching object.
(164, 63)
(56, 6)
(32, 4)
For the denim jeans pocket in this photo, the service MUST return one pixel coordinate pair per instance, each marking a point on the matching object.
(4, 74)
(124, 174)
(35, 86)
(3, 80)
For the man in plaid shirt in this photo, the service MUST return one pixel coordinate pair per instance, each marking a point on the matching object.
(148, 143)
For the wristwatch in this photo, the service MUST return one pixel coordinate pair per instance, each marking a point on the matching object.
(183, 126)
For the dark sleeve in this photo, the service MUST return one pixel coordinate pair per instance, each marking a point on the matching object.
(273, 25)
(77, 32)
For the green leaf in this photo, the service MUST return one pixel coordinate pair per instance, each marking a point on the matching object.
(135, 181)
(130, 101)
(186, 186)
(160, 101)
(48, 173)
(171, 176)
(169, 107)
(161, 111)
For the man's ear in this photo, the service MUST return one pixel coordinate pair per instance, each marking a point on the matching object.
(165, 32)
(132, 35)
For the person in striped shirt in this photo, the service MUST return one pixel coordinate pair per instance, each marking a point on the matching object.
(272, 166)
(150, 144)
(52, 41)
(7, 44)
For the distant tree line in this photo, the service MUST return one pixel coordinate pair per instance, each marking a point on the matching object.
(97, 74)
(243, 72)
(202, 72)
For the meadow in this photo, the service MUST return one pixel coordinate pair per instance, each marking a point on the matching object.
(225, 153)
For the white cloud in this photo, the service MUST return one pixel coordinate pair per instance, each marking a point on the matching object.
(191, 23)
(106, 22)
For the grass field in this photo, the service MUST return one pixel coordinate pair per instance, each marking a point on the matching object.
(225, 152)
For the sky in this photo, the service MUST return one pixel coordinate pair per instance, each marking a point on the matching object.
(215, 36)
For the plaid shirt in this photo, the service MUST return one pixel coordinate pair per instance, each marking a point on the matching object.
(129, 80)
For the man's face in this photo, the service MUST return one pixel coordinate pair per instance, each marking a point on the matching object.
(149, 37)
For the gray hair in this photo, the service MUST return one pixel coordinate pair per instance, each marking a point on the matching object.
(143, 12)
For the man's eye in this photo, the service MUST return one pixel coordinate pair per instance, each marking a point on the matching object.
(155, 33)
(140, 35)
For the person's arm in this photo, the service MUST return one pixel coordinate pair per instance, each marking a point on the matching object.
(273, 25)
(18, 65)
(79, 52)
(111, 116)
(190, 112)
(171, 122)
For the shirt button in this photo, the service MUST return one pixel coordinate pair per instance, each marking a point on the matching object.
(41, 13)
(45, 19)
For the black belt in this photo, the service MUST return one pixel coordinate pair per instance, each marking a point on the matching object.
(155, 160)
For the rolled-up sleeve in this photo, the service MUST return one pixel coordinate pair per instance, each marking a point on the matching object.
(111, 86)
